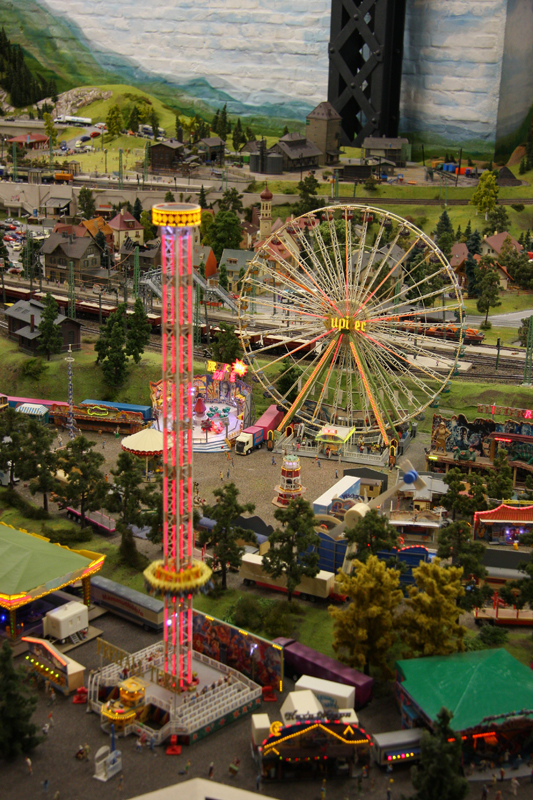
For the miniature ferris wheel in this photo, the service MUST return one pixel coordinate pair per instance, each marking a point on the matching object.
(336, 314)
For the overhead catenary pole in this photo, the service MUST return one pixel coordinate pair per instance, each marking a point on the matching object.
(136, 272)
(71, 291)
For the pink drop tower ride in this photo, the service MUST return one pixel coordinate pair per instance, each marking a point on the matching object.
(178, 576)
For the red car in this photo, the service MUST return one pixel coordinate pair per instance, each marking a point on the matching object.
(9, 239)
(94, 134)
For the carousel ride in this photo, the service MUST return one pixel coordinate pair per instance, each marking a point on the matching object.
(349, 294)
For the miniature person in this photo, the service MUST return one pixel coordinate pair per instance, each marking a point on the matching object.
(514, 785)
(28, 764)
(221, 475)
(45, 728)
(227, 474)
(188, 765)
(323, 790)
(120, 784)
(57, 795)
(211, 769)
(51, 719)
(485, 792)
(138, 745)
(86, 750)
(498, 795)
(502, 773)
(336, 474)
(319, 465)
(45, 784)
(273, 461)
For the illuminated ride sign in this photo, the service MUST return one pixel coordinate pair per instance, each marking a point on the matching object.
(227, 373)
(345, 324)
(507, 411)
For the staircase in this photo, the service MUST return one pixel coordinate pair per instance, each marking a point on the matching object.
(152, 279)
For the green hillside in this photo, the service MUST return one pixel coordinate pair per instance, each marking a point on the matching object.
(51, 48)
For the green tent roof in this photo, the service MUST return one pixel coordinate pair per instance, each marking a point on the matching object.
(28, 562)
(475, 685)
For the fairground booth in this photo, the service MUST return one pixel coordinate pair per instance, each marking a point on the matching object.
(489, 692)
(472, 446)
(222, 405)
(31, 569)
(503, 525)
(309, 741)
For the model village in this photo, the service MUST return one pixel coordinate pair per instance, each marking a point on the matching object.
(347, 517)
(266, 466)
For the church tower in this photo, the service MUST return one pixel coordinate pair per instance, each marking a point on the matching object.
(265, 219)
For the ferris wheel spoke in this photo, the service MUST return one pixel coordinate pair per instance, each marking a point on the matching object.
(325, 389)
(371, 259)
(305, 389)
(391, 382)
(391, 347)
(395, 266)
(372, 399)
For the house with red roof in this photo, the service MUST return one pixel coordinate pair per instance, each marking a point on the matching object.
(504, 524)
(30, 141)
(504, 275)
(492, 245)
(125, 226)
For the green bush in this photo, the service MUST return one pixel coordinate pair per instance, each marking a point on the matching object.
(491, 636)
(67, 536)
(517, 207)
(248, 613)
(486, 326)
(16, 501)
(33, 368)
(278, 620)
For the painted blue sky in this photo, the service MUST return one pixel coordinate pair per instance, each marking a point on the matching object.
(258, 52)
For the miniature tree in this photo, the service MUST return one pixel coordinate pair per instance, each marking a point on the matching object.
(519, 593)
(111, 348)
(287, 380)
(223, 232)
(86, 203)
(500, 482)
(127, 496)
(438, 775)
(224, 536)
(114, 121)
(49, 128)
(39, 464)
(460, 501)
(363, 632)
(307, 189)
(223, 277)
(85, 487)
(226, 347)
(293, 548)
(138, 209)
(231, 200)
(4, 253)
(50, 340)
(202, 199)
(429, 625)
(169, 197)
(18, 734)
(12, 440)
(489, 292)
(139, 331)
(133, 121)
(456, 543)
(486, 194)
(371, 534)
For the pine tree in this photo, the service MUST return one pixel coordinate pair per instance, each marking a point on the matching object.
(18, 734)
(111, 348)
(139, 331)
(127, 496)
(438, 775)
(293, 551)
(223, 124)
(226, 553)
(363, 632)
(39, 464)
(86, 488)
(456, 543)
(529, 149)
(473, 243)
(202, 199)
(500, 480)
(154, 122)
(489, 290)
(133, 121)
(223, 277)
(468, 231)
(13, 436)
(86, 203)
(371, 534)
(138, 209)
(522, 169)
(472, 276)
(429, 625)
(226, 346)
(285, 131)
(215, 121)
(50, 341)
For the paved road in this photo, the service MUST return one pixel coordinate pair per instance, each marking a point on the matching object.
(511, 320)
